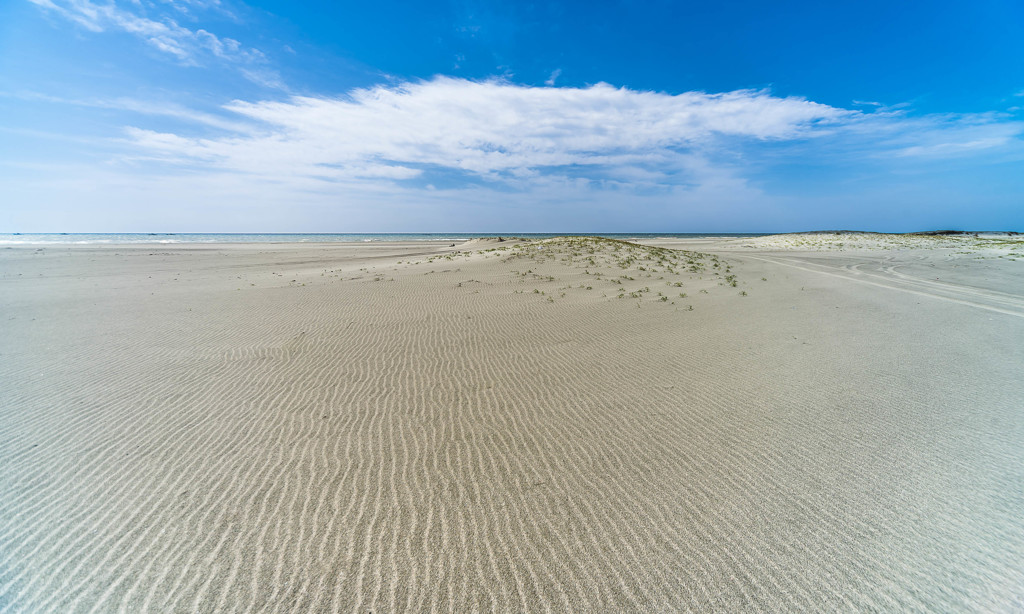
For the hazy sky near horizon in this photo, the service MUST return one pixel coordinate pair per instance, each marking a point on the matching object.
(224, 116)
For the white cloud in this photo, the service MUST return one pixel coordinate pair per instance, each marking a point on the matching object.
(166, 35)
(452, 154)
(946, 135)
(142, 107)
(554, 77)
(956, 147)
(494, 131)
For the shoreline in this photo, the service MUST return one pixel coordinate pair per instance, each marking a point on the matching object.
(823, 238)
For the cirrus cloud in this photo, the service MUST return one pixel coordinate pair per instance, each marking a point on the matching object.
(166, 35)
(451, 153)
(493, 131)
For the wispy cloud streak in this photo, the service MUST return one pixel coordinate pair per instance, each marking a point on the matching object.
(495, 131)
(165, 34)
(475, 151)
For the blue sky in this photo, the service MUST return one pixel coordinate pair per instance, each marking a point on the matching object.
(224, 116)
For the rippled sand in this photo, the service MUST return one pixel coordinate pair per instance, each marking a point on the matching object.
(414, 427)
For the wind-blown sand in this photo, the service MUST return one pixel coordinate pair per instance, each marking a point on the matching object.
(380, 428)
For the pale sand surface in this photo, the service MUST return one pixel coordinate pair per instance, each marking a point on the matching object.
(322, 428)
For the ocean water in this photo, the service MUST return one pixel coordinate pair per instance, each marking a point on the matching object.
(13, 239)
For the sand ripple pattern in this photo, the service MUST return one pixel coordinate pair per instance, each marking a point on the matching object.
(413, 444)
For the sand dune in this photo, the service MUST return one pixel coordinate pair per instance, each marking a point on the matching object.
(777, 424)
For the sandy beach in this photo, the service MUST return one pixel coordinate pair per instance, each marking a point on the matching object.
(819, 422)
